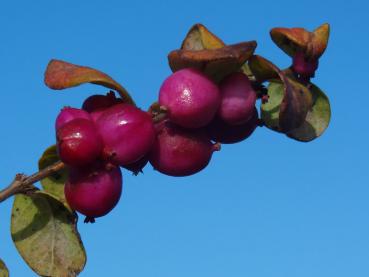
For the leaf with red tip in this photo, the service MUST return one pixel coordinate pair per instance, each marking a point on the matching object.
(61, 75)
(199, 38)
(45, 235)
(262, 69)
(53, 184)
(292, 40)
(3, 269)
(317, 119)
(216, 63)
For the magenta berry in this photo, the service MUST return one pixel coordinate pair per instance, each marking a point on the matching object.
(93, 191)
(191, 98)
(127, 132)
(78, 142)
(181, 152)
(222, 132)
(238, 99)
(96, 114)
(138, 166)
(304, 66)
(68, 114)
(100, 102)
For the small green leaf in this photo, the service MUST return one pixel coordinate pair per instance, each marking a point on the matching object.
(200, 38)
(216, 63)
(61, 75)
(45, 234)
(317, 119)
(3, 269)
(270, 110)
(53, 184)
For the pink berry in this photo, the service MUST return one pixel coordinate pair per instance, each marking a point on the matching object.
(238, 99)
(191, 98)
(138, 166)
(93, 191)
(96, 114)
(222, 132)
(100, 102)
(68, 114)
(304, 66)
(78, 142)
(127, 133)
(181, 152)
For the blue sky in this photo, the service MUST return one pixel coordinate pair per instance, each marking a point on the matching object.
(269, 206)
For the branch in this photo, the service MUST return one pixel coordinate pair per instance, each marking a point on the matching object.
(24, 184)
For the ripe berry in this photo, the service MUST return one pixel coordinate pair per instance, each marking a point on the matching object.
(138, 166)
(127, 133)
(238, 99)
(78, 142)
(68, 114)
(100, 102)
(304, 66)
(181, 152)
(191, 98)
(222, 132)
(93, 191)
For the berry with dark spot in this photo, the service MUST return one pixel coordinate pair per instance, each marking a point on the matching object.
(137, 167)
(222, 132)
(100, 102)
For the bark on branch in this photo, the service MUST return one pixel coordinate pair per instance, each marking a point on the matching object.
(24, 184)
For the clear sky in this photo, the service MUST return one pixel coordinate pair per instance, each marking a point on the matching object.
(269, 206)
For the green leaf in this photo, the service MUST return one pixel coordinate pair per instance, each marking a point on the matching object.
(45, 234)
(53, 184)
(200, 38)
(317, 119)
(3, 269)
(270, 110)
(61, 75)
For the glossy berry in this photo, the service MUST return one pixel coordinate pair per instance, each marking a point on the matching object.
(191, 98)
(181, 152)
(78, 142)
(100, 102)
(222, 132)
(238, 99)
(127, 133)
(304, 66)
(93, 191)
(138, 166)
(68, 114)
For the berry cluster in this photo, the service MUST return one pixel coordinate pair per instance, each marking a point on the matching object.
(106, 134)
(208, 100)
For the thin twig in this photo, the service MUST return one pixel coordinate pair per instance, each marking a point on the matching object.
(24, 184)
